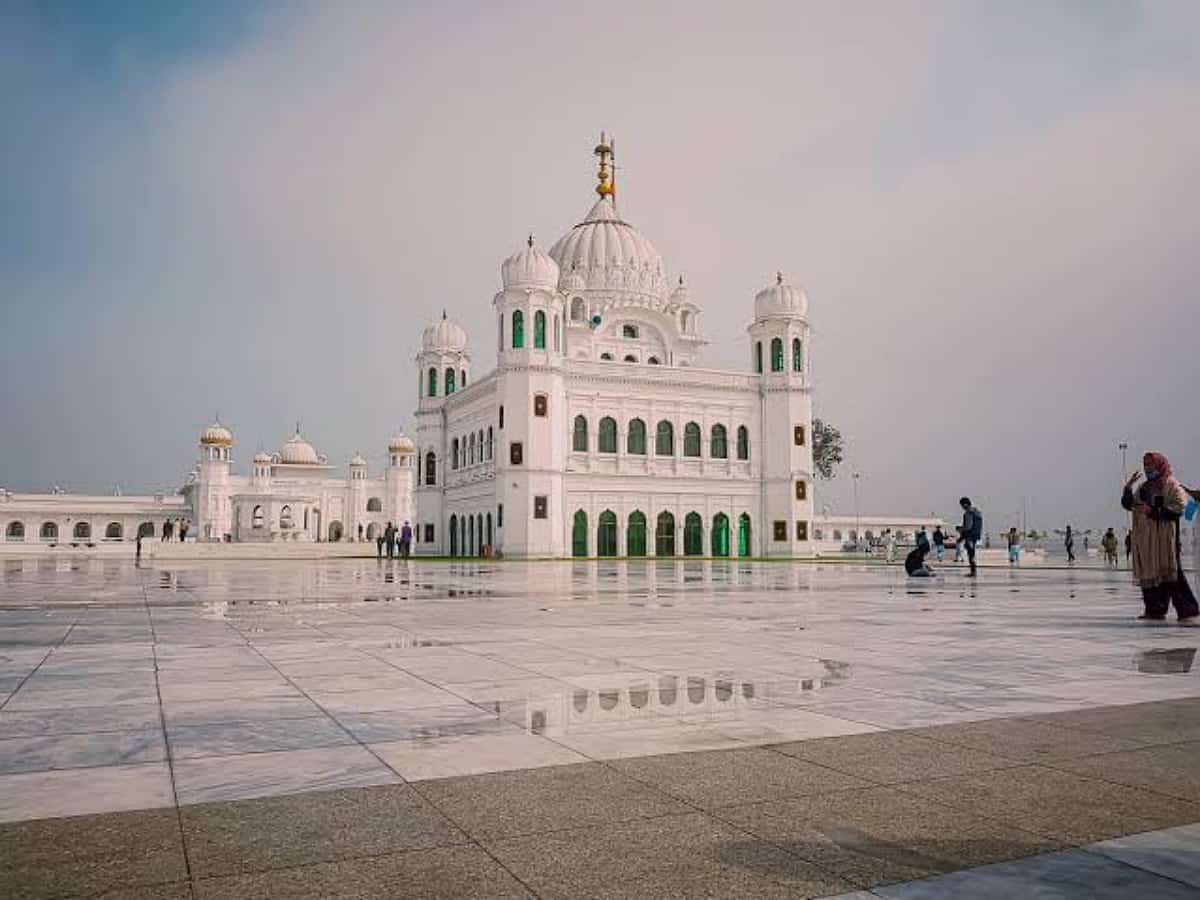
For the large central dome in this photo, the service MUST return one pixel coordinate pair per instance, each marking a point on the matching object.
(607, 254)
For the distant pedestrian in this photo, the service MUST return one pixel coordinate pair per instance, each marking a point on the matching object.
(939, 542)
(1014, 547)
(1069, 543)
(389, 539)
(1085, 543)
(138, 554)
(893, 542)
(1157, 506)
(360, 532)
(379, 543)
(406, 536)
(183, 530)
(1128, 546)
(970, 531)
(167, 529)
(1108, 544)
(923, 538)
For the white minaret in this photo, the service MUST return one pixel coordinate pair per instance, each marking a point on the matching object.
(212, 512)
(531, 392)
(444, 365)
(779, 355)
(399, 480)
(356, 503)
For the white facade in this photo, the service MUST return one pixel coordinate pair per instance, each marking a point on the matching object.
(597, 434)
(292, 495)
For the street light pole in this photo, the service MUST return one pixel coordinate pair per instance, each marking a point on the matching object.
(1123, 447)
(857, 523)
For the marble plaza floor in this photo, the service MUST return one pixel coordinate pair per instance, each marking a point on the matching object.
(361, 728)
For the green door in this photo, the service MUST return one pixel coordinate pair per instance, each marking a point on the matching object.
(579, 534)
(606, 534)
(744, 535)
(635, 535)
(720, 535)
(693, 535)
(664, 535)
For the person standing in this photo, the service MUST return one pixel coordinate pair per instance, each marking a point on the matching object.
(1069, 543)
(1109, 544)
(1128, 546)
(166, 530)
(389, 538)
(1157, 506)
(360, 533)
(379, 544)
(939, 542)
(1014, 547)
(970, 531)
(406, 536)
(183, 530)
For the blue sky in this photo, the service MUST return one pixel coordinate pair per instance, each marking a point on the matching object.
(256, 208)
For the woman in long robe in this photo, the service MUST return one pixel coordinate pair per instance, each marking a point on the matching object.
(1157, 505)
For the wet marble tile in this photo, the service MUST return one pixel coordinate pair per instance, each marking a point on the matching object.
(227, 738)
(74, 792)
(36, 754)
(472, 754)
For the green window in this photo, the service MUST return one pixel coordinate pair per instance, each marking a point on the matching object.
(664, 535)
(743, 442)
(744, 534)
(719, 448)
(758, 356)
(579, 435)
(776, 354)
(462, 378)
(433, 382)
(539, 330)
(608, 436)
(579, 534)
(606, 534)
(691, 439)
(635, 535)
(693, 535)
(518, 329)
(664, 439)
(636, 441)
(797, 356)
(449, 381)
(720, 535)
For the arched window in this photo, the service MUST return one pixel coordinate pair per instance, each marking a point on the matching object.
(579, 534)
(693, 535)
(49, 531)
(462, 378)
(374, 505)
(256, 518)
(430, 469)
(629, 357)
(113, 531)
(744, 546)
(718, 444)
(449, 382)
(776, 354)
(432, 382)
(557, 333)
(691, 439)
(539, 330)
(454, 454)
(453, 535)
(664, 535)
(577, 310)
(490, 442)
(469, 543)
(664, 439)
(685, 321)
(518, 329)
(336, 531)
(83, 531)
(15, 531)
(758, 357)
(471, 451)
(797, 356)
(607, 435)
(635, 534)
(579, 435)
(652, 361)
(607, 357)
(146, 529)
(635, 441)
(720, 535)
(489, 530)
(743, 442)
(606, 534)
(285, 517)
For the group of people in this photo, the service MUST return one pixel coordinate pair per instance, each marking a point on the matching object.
(174, 530)
(397, 541)
(1157, 506)
(970, 532)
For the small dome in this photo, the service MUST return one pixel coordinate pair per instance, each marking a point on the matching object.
(401, 443)
(262, 459)
(780, 300)
(679, 296)
(216, 435)
(357, 461)
(444, 334)
(298, 452)
(530, 267)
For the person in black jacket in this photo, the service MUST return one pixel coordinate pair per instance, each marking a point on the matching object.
(970, 531)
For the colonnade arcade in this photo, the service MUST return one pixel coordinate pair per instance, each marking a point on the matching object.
(662, 536)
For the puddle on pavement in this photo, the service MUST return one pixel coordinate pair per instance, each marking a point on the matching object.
(1176, 661)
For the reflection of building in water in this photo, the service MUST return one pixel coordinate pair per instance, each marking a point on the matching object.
(291, 495)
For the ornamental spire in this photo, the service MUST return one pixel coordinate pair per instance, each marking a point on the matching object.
(604, 150)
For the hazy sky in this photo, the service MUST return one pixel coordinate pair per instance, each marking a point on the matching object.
(994, 208)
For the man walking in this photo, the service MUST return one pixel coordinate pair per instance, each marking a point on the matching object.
(389, 538)
(406, 536)
(970, 531)
(939, 542)
(379, 544)
(1069, 543)
(166, 530)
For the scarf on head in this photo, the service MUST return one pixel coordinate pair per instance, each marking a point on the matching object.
(1159, 463)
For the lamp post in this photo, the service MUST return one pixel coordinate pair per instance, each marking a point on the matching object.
(1123, 447)
(857, 524)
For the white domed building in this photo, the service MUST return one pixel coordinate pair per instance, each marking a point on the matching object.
(599, 434)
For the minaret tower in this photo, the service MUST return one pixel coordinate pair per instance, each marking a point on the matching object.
(779, 356)
(399, 480)
(531, 392)
(212, 510)
(356, 502)
(444, 365)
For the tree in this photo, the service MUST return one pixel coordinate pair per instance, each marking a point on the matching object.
(828, 448)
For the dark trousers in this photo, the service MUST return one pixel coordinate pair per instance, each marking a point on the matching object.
(1158, 599)
(405, 549)
(379, 547)
(391, 547)
(969, 546)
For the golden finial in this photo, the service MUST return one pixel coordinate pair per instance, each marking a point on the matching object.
(604, 151)
(530, 241)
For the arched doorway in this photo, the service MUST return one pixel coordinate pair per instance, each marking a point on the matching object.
(720, 535)
(372, 531)
(664, 535)
(335, 530)
(145, 530)
(469, 544)
(454, 535)
(606, 534)
(693, 535)
(635, 534)
(744, 534)
(479, 532)
(579, 534)
(490, 539)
